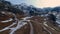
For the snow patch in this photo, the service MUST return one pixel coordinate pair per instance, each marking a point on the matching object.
(45, 24)
(7, 20)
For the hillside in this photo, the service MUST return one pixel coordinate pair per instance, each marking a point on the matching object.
(26, 25)
(23, 19)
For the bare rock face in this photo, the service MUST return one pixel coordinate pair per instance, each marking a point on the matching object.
(11, 23)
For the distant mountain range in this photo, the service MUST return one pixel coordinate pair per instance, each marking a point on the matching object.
(24, 8)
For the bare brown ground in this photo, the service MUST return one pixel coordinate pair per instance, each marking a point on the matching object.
(36, 21)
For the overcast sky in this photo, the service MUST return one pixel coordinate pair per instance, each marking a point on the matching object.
(38, 3)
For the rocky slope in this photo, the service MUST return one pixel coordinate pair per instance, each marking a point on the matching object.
(11, 23)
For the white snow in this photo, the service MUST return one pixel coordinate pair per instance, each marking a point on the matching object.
(45, 19)
(6, 28)
(20, 23)
(58, 21)
(45, 24)
(3, 12)
(7, 20)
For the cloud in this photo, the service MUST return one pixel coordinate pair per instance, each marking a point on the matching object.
(47, 3)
